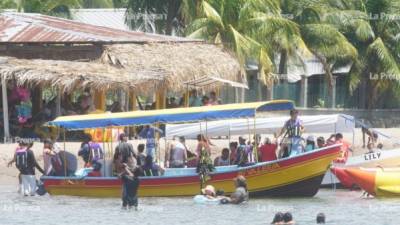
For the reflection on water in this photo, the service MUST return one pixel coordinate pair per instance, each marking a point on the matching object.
(341, 208)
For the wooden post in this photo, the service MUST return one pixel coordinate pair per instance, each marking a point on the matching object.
(99, 100)
(160, 104)
(132, 100)
(160, 98)
(333, 100)
(37, 102)
(58, 102)
(303, 91)
(270, 92)
(5, 110)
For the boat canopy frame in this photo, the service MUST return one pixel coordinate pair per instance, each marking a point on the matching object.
(165, 116)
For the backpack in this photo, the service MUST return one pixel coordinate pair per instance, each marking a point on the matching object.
(21, 159)
(96, 153)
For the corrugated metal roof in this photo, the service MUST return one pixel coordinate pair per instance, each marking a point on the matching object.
(37, 28)
(113, 18)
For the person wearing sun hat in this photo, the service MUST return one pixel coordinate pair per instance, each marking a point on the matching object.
(209, 191)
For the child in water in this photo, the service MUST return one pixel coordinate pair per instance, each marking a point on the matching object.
(130, 185)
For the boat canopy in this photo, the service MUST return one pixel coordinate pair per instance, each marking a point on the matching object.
(312, 124)
(167, 116)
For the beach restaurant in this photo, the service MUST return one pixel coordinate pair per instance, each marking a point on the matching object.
(39, 53)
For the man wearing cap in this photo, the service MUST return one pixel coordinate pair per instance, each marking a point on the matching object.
(293, 129)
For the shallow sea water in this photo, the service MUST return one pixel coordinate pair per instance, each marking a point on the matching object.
(341, 207)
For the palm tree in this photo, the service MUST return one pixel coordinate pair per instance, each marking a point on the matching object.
(264, 30)
(219, 22)
(49, 7)
(374, 30)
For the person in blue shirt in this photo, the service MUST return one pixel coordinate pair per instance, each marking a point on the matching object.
(149, 132)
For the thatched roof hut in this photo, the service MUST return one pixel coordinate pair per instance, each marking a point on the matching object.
(128, 66)
(176, 62)
(69, 75)
(126, 59)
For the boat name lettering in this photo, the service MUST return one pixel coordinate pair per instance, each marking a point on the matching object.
(261, 169)
(372, 156)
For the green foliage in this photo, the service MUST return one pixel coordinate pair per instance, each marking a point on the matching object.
(98, 4)
(8, 4)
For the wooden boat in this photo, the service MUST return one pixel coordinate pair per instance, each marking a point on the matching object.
(377, 182)
(296, 176)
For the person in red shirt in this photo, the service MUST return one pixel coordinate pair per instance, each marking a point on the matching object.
(267, 151)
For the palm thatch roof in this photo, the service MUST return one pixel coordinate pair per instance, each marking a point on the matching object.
(178, 62)
(139, 67)
(69, 75)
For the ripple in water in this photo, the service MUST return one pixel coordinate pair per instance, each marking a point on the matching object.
(341, 207)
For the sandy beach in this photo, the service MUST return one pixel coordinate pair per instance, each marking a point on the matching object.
(8, 174)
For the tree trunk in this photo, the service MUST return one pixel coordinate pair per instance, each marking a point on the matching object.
(173, 8)
(283, 63)
(372, 95)
(283, 70)
(198, 8)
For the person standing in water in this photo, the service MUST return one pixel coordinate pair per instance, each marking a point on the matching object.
(241, 193)
(293, 128)
(130, 186)
(25, 162)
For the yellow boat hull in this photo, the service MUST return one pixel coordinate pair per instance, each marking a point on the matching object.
(296, 176)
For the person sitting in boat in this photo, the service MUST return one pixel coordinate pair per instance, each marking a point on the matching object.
(84, 151)
(90, 151)
(233, 151)
(321, 142)
(223, 159)
(141, 157)
(267, 151)
(150, 168)
(310, 144)
(52, 162)
(124, 153)
(203, 144)
(293, 129)
(241, 156)
(177, 157)
(344, 150)
(241, 193)
(96, 172)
